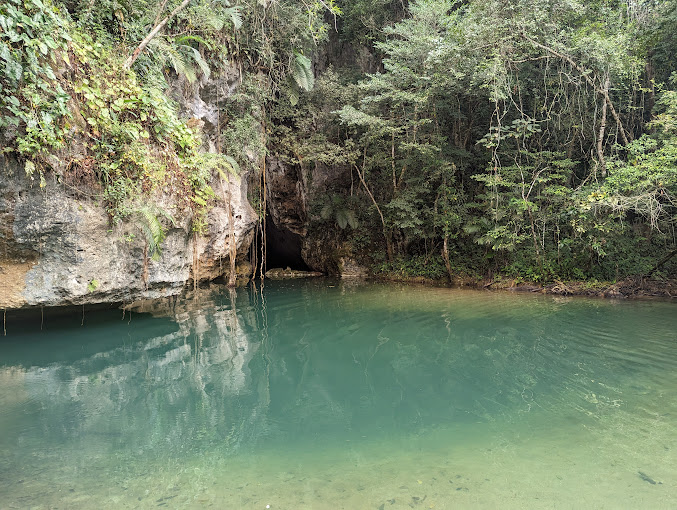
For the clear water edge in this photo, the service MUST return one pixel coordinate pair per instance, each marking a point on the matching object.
(329, 395)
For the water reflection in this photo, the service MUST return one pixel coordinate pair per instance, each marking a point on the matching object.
(310, 366)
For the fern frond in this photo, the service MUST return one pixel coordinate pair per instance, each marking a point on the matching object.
(169, 54)
(235, 16)
(204, 66)
(326, 211)
(187, 39)
(351, 218)
(302, 71)
(147, 219)
(216, 18)
(234, 167)
(341, 218)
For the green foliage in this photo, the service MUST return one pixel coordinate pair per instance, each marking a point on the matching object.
(200, 168)
(516, 133)
(337, 208)
(485, 126)
(147, 218)
(34, 43)
(646, 184)
(431, 267)
(522, 201)
(363, 21)
(301, 77)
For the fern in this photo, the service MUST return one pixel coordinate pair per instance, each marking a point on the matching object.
(202, 63)
(188, 39)
(300, 78)
(217, 18)
(235, 16)
(182, 57)
(169, 54)
(147, 218)
(335, 207)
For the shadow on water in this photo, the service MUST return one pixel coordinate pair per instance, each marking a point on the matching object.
(41, 337)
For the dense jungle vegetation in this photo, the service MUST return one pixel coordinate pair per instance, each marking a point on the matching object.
(534, 139)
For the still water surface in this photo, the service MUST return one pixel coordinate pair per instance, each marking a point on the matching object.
(325, 395)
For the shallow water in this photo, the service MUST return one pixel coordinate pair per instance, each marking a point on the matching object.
(326, 394)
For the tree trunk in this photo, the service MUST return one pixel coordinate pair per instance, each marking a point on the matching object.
(445, 256)
(142, 45)
(600, 137)
(386, 234)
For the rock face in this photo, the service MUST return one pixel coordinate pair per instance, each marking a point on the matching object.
(202, 102)
(58, 250)
(287, 196)
(290, 191)
(213, 250)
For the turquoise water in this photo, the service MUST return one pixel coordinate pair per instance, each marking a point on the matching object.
(328, 394)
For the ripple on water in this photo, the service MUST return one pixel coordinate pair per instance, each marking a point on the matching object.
(325, 395)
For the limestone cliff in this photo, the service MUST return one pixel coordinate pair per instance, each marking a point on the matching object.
(57, 244)
(57, 249)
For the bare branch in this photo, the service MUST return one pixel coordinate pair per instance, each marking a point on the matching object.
(142, 46)
(604, 92)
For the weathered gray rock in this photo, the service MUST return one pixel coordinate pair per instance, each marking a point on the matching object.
(287, 196)
(57, 250)
(213, 250)
(202, 100)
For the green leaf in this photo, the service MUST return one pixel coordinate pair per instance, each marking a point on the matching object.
(234, 166)
(352, 219)
(341, 218)
(326, 211)
(293, 92)
(202, 63)
(29, 168)
(235, 17)
(302, 71)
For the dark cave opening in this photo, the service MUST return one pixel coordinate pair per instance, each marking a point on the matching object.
(283, 248)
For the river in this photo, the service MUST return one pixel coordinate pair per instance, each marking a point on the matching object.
(327, 394)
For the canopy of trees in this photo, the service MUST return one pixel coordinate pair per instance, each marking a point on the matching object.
(536, 139)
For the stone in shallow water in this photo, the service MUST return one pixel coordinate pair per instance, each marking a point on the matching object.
(280, 274)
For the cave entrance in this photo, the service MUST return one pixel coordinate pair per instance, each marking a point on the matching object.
(283, 248)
